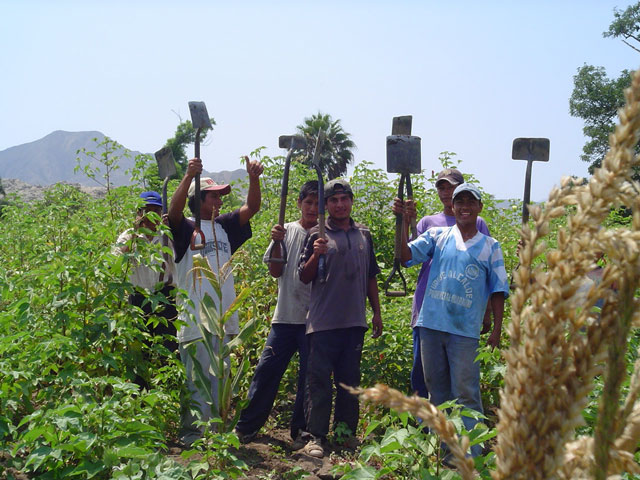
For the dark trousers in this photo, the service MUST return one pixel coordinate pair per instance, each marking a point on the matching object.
(283, 341)
(336, 352)
(167, 311)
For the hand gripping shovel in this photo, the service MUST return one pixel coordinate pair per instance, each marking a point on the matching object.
(531, 150)
(322, 273)
(292, 142)
(403, 157)
(166, 169)
(200, 120)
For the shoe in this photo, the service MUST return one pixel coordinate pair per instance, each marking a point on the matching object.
(246, 437)
(298, 442)
(314, 448)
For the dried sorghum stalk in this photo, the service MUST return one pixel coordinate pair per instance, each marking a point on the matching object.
(433, 418)
(557, 341)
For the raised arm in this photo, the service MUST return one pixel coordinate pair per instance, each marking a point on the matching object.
(179, 198)
(254, 196)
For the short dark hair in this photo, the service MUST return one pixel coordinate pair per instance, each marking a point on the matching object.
(191, 202)
(309, 188)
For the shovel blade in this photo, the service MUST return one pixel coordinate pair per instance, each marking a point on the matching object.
(292, 142)
(166, 163)
(530, 149)
(199, 115)
(401, 125)
(403, 154)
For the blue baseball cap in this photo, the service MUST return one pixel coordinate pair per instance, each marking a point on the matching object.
(467, 187)
(151, 198)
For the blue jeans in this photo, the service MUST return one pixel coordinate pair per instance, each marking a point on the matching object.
(451, 372)
(283, 341)
(418, 384)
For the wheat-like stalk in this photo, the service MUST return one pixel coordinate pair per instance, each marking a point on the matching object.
(433, 418)
(558, 343)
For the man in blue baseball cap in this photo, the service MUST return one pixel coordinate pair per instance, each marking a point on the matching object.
(467, 270)
(150, 277)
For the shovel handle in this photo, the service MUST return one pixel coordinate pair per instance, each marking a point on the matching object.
(414, 229)
(395, 293)
(194, 239)
(283, 249)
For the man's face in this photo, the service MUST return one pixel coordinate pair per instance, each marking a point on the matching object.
(211, 204)
(339, 206)
(309, 209)
(150, 223)
(445, 192)
(466, 208)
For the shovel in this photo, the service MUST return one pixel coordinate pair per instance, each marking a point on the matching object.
(166, 169)
(200, 120)
(292, 142)
(322, 273)
(531, 150)
(403, 157)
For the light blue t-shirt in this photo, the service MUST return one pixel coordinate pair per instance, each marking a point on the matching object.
(463, 275)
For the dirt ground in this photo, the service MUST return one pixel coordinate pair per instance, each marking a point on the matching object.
(270, 456)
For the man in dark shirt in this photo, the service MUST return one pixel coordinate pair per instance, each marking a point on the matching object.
(336, 322)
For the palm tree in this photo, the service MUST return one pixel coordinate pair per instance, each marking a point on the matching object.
(337, 149)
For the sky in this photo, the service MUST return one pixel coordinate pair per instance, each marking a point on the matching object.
(474, 75)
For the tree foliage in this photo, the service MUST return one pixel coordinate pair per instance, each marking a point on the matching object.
(596, 98)
(337, 150)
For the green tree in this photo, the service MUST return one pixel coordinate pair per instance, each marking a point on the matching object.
(596, 98)
(337, 150)
(185, 135)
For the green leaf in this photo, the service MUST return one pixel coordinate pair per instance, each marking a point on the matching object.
(88, 469)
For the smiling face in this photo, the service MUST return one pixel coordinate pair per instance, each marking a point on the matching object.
(210, 206)
(308, 210)
(339, 206)
(466, 209)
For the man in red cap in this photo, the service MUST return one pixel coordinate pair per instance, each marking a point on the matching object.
(231, 231)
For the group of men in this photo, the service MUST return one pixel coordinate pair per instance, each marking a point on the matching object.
(462, 282)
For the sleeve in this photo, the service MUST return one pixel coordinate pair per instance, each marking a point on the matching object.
(123, 239)
(498, 281)
(182, 238)
(374, 269)
(307, 251)
(422, 248)
(238, 234)
(482, 227)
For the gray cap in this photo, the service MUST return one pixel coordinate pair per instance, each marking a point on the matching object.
(336, 186)
(467, 187)
(451, 175)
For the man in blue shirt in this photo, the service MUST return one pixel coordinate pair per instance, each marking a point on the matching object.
(467, 270)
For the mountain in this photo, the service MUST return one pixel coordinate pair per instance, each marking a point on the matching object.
(52, 159)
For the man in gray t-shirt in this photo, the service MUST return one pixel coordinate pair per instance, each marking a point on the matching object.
(287, 335)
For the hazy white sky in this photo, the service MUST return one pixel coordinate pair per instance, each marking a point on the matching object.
(474, 75)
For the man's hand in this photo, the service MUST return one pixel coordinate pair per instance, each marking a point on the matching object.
(494, 339)
(277, 233)
(405, 208)
(376, 324)
(254, 167)
(194, 167)
(320, 247)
